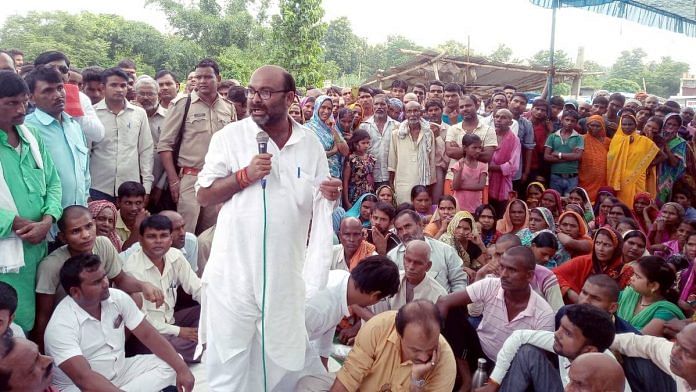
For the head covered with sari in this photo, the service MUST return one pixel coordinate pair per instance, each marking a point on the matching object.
(582, 225)
(95, 208)
(588, 211)
(357, 207)
(505, 225)
(557, 197)
(548, 217)
(450, 239)
(379, 190)
(616, 257)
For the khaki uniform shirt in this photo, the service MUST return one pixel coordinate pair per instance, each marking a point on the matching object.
(201, 122)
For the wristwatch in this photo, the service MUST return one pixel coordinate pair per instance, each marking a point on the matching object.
(418, 383)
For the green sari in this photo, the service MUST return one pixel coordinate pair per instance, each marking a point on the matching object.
(663, 310)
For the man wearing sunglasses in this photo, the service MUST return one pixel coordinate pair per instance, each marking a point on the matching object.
(77, 104)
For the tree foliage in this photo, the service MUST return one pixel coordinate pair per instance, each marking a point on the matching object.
(503, 54)
(621, 85)
(662, 78)
(542, 58)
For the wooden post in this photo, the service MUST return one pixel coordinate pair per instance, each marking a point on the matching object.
(577, 80)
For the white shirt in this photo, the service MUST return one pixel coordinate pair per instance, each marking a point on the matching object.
(91, 126)
(428, 289)
(541, 339)
(325, 310)
(177, 272)
(657, 350)
(447, 265)
(72, 332)
(233, 278)
(190, 250)
(125, 153)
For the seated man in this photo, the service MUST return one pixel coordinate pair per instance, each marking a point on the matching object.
(397, 351)
(158, 263)
(22, 367)
(182, 240)
(379, 235)
(595, 372)
(446, 264)
(509, 304)
(77, 231)
(131, 203)
(374, 278)
(602, 292)
(678, 359)
(353, 247)
(8, 307)
(85, 337)
(415, 283)
(522, 363)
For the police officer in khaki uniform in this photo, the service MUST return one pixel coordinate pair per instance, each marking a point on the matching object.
(208, 112)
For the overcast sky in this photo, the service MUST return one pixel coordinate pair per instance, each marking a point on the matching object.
(520, 25)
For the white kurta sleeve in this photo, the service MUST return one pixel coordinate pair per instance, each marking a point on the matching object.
(91, 126)
(541, 339)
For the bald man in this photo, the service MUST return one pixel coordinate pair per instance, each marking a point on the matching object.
(412, 154)
(678, 359)
(182, 240)
(415, 283)
(595, 372)
(505, 161)
(6, 62)
(353, 247)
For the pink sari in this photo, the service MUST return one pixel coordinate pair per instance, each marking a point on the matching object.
(507, 156)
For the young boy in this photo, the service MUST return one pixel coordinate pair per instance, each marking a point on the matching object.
(131, 211)
(563, 150)
(682, 195)
(78, 233)
(163, 266)
(8, 306)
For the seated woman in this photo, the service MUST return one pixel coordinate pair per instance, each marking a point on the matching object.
(551, 199)
(578, 196)
(605, 258)
(485, 219)
(422, 202)
(462, 234)
(446, 208)
(386, 194)
(685, 229)
(644, 211)
(618, 211)
(573, 236)
(650, 301)
(545, 283)
(687, 278)
(104, 213)
(665, 228)
(601, 208)
(540, 218)
(534, 192)
(634, 245)
(362, 209)
(626, 224)
(516, 218)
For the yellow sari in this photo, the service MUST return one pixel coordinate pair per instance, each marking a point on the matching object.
(627, 162)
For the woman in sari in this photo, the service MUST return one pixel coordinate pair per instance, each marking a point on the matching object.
(534, 191)
(605, 258)
(462, 234)
(580, 197)
(630, 155)
(671, 169)
(485, 221)
(357, 114)
(362, 209)
(665, 228)
(644, 211)
(634, 246)
(687, 280)
(307, 106)
(592, 172)
(551, 199)
(540, 218)
(295, 112)
(344, 123)
(516, 217)
(446, 208)
(650, 301)
(573, 235)
(322, 124)
(386, 194)
(104, 215)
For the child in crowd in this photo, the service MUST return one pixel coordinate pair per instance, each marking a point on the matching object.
(131, 211)
(357, 170)
(470, 175)
(8, 307)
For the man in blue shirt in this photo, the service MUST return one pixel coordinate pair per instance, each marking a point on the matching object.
(61, 133)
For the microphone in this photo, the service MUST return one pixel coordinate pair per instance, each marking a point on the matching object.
(262, 140)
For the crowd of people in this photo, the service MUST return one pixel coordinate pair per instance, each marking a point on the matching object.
(413, 234)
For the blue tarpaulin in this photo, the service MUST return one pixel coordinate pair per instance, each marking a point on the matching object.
(678, 16)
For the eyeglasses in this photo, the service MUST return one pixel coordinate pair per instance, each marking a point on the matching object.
(63, 69)
(264, 93)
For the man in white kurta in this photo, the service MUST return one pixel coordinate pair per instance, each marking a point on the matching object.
(234, 276)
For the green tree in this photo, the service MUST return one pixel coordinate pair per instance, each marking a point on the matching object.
(502, 53)
(454, 48)
(341, 45)
(662, 78)
(621, 85)
(542, 58)
(297, 36)
(594, 81)
(629, 65)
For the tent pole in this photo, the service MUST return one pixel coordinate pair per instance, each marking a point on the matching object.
(549, 82)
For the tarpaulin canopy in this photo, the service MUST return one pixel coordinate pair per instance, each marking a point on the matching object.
(678, 16)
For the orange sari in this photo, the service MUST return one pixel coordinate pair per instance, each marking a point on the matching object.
(592, 171)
